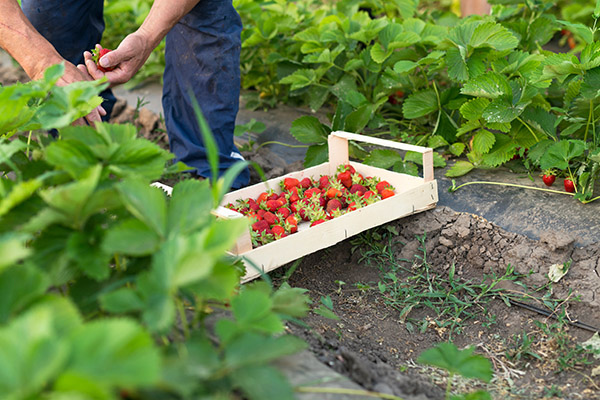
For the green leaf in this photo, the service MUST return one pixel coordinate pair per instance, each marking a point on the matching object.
(473, 109)
(71, 199)
(122, 300)
(250, 349)
(501, 111)
(19, 287)
(19, 193)
(457, 148)
(34, 348)
(13, 249)
(292, 302)
(112, 353)
(559, 154)
(84, 253)
(494, 35)
(462, 362)
(190, 206)
(299, 79)
(131, 237)
(71, 156)
(503, 150)
(308, 129)
(483, 141)
(420, 104)
(382, 158)
(316, 155)
(146, 203)
(459, 168)
(405, 66)
(490, 85)
(581, 30)
(139, 157)
(263, 382)
(457, 65)
(358, 119)
(252, 309)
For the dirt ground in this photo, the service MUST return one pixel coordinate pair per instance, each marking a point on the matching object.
(388, 289)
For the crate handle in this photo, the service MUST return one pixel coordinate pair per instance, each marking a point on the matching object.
(338, 150)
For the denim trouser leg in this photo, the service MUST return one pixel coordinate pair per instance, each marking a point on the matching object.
(72, 26)
(202, 60)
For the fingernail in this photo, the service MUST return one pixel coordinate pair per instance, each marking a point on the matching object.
(104, 62)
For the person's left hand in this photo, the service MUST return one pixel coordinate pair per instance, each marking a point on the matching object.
(126, 60)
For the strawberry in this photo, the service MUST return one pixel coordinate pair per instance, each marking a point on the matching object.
(284, 212)
(385, 193)
(569, 185)
(278, 231)
(273, 196)
(97, 55)
(333, 192)
(260, 226)
(383, 185)
(358, 188)
(317, 222)
(548, 179)
(262, 197)
(289, 183)
(291, 224)
(333, 204)
(270, 218)
(306, 183)
(273, 205)
(345, 178)
(323, 182)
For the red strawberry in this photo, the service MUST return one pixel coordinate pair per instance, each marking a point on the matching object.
(385, 193)
(333, 204)
(97, 55)
(273, 196)
(333, 192)
(317, 222)
(270, 218)
(284, 212)
(358, 188)
(569, 185)
(345, 178)
(291, 224)
(383, 185)
(323, 182)
(278, 231)
(262, 197)
(289, 183)
(260, 226)
(273, 205)
(305, 183)
(548, 179)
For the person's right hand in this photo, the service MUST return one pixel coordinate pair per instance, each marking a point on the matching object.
(125, 61)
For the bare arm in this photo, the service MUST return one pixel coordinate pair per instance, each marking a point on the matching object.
(135, 49)
(33, 52)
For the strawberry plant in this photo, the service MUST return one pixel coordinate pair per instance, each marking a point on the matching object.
(108, 279)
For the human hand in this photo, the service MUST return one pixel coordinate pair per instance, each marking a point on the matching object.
(125, 61)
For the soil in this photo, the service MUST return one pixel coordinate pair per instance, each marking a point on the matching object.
(376, 345)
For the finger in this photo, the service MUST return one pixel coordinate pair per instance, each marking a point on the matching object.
(92, 69)
(101, 111)
(84, 71)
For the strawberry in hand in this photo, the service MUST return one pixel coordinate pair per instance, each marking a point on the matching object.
(97, 54)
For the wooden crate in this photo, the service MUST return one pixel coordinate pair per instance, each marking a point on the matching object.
(413, 194)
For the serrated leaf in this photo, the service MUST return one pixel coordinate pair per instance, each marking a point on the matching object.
(299, 79)
(457, 66)
(463, 362)
(308, 129)
(494, 35)
(491, 86)
(456, 148)
(502, 151)
(382, 158)
(145, 202)
(483, 141)
(358, 119)
(473, 109)
(122, 300)
(19, 286)
(263, 382)
(420, 104)
(405, 66)
(559, 154)
(501, 111)
(131, 237)
(315, 155)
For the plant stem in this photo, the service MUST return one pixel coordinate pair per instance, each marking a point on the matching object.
(449, 385)
(28, 143)
(182, 317)
(455, 188)
(528, 128)
(352, 392)
(282, 144)
(587, 126)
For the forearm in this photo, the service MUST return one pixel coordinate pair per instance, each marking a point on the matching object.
(163, 15)
(22, 41)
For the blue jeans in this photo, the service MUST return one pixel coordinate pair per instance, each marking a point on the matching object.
(202, 61)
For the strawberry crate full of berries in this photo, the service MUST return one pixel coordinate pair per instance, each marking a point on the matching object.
(306, 211)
